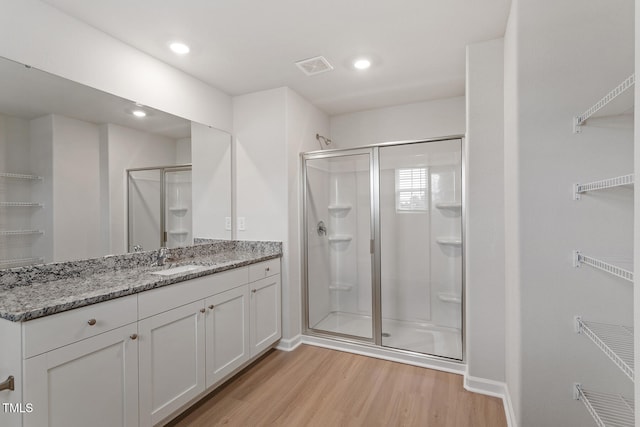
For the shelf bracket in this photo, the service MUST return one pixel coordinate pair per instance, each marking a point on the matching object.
(578, 324)
(577, 124)
(576, 259)
(576, 191)
(576, 391)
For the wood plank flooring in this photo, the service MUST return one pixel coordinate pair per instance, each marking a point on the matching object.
(313, 386)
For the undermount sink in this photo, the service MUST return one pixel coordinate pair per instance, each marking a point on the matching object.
(177, 270)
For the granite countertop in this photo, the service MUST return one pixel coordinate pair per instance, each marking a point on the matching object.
(30, 292)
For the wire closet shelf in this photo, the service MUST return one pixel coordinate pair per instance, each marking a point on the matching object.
(580, 259)
(615, 341)
(607, 410)
(603, 184)
(580, 119)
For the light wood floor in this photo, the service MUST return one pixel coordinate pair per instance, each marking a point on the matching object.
(313, 386)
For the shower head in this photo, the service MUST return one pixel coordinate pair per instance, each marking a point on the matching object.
(322, 139)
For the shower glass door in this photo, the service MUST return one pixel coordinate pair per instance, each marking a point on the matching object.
(421, 247)
(338, 209)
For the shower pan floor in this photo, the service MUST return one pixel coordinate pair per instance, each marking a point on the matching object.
(413, 336)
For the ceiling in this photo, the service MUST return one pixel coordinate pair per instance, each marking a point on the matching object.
(240, 46)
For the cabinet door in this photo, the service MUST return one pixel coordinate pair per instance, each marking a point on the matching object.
(171, 361)
(266, 326)
(93, 382)
(227, 333)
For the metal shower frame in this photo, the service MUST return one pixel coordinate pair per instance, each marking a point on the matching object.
(373, 151)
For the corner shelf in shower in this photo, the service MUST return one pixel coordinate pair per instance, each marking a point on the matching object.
(340, 238)
(178, 211)
(20, 232)
(625, 105)
(619, 181)
(339, 209)
(179, 232)
(449, 241)
(614, 340)
(20, 176)
(449, 205)
(447, 297)
(340, 287)
(579, 259)
(606, 409)
(20, 205)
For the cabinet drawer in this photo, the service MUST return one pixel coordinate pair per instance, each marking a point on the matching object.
(264, 269)
(172, 296)
(50, 332)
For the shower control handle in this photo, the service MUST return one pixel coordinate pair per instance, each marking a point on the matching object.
(321, 229)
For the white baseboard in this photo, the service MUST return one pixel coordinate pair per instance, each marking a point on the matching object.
(391, 355)
(495, 389)
(289, 344)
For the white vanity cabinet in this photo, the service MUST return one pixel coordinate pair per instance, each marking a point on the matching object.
(143, 358)
(172, 361)
(75, 373)
(266, 323)
(227, 333)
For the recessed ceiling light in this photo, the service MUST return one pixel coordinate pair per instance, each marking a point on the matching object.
(179, 48)
(139, 113)
(362, 64)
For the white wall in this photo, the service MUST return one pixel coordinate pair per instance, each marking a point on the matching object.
(513, 318)
(636, 240)
(484, 238)
(414, 121)
(46, 38)
(76, 180)
(128, 148)
(211, 154)
(303, 121)
(271, 128)
(568, 55)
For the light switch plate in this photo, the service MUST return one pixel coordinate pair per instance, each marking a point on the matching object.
(227, 223)
(241, 223)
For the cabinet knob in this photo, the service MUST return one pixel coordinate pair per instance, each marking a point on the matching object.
(266, 269)
(202, 310)
(254, 290)
(133, 336)
(91, 322)
(211, 307)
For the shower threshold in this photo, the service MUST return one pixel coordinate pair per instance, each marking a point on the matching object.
(412, 336)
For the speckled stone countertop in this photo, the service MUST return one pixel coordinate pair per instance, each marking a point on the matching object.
(35, 291)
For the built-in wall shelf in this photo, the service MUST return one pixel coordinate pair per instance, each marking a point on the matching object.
(606, 409)
(19, 176)
(340, 238)
(580, 259)
(448, 297)
(339, 209)
(20, 205)
(619, 181)
(614, 340)
(178, 210)
(20, 232)
(340, 287)
(449, 241)
(580, 119)
(180, 232)
(20, 262)
(449, 205)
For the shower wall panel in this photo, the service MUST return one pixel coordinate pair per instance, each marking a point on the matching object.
(319, 269)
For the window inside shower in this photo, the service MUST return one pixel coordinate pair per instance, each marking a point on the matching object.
(384, 246)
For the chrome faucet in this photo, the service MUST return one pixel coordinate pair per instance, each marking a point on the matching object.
(163, 256)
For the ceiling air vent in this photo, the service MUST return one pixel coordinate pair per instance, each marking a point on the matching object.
(313, 66)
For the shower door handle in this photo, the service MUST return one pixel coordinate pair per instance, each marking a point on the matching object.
(372, 246)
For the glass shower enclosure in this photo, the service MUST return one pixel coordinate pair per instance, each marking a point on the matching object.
(159, 207)
(383, 246)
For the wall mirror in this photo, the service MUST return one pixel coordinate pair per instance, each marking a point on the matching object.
(65, 153)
